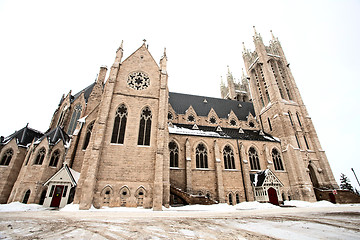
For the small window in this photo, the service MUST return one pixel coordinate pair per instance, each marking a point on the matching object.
(201, 156)
(170, 116)
(52, 191)
(65, 191)
(269, 124)
(54, 159)
(107, 192)
(251, 124)
(145, 127)
(230, 199)
(298, 118)
(26, 197)
(191, 118)
(174, 154)
(88, 135)
(297, 141)
(232, 122)
(291, 121)
(40, 157)
(237, 196)
(5, 160)
(254, 159)
(306, 142)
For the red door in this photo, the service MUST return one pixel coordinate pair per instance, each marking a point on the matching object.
(273, 199)
(55, 202)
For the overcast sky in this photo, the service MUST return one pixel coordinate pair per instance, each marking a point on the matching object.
(48, 48)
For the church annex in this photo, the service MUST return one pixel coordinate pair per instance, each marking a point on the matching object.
(128, 141)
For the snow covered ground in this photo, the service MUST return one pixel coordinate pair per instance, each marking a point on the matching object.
(247, 220)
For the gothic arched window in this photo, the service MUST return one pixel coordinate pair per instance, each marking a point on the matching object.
(74, 117)
(145, 127)
(277, 160)
(54, 158)
(229, 160)
(230, 199)
(201, 156)
(26, 197)
(88, 135)
(40, 156)
(291, 121)
(270, 127)
(174, 154)
(5, 160)
(254, 159)
(298, 118)
(119, 125)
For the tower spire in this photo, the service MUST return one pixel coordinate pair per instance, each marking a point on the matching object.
(274, 39)
(119, 52)
(256, 34)
(163, 62)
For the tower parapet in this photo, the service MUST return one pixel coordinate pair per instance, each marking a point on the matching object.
(235, 90)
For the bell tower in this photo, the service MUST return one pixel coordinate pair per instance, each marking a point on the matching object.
(282, 113)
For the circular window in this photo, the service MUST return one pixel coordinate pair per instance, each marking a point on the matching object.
(138, 80)
(212, 120)
(232, 122)
(251, 124)
(191, 118)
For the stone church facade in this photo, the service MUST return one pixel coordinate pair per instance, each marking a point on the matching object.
(128, 141)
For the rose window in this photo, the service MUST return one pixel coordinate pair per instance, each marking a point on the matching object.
(138, 80)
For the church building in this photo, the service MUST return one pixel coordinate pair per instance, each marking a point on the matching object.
(128, 141)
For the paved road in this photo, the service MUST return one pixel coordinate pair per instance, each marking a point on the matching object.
(284, 223)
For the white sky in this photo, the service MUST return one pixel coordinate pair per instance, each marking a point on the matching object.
(48, 48)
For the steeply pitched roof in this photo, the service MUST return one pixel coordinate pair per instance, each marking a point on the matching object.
(55, 135)
(266, 176)
(73, 176)
(232, 133)
(181, 102)
(87, 91)
(23, 136)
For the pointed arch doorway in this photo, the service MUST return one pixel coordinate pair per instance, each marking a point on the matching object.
(313, 177)
(273, 199)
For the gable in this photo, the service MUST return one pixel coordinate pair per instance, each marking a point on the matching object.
(65, 174)
(265, 178)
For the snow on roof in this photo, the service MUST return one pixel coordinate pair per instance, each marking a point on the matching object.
(186, 131)
(75, 174)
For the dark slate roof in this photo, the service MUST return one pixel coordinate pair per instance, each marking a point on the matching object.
(87, 91)
(210, 131)
(55, 135)
(23, 136)
(260, 178)
(181, 102)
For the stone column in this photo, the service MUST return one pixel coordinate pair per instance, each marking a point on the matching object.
(188, 166)
(219, 175)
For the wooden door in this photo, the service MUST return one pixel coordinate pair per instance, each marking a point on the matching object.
(332, 198)
(273, 199)
(56, 198)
